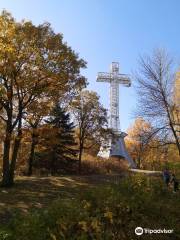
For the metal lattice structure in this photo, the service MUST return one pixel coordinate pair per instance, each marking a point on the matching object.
(116, 148)
(114, 78)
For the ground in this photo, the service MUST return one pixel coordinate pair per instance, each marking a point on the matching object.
(38, 192)
(88, 207)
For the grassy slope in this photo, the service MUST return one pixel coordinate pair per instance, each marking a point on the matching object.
(96, 207)
(38, 192)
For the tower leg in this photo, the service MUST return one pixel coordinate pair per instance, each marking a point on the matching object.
(117, 148)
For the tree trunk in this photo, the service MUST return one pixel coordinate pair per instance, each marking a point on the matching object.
(53, 159)
(173, 130)
(6, 154)
(176, 137)
(15, 152)
(13, 160)
(80, 156)
(139, 162)
(31, 157)
(171, 123)
(7, 144)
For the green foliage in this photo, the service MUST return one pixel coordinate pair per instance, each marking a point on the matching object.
(110, 212)
(57, 141)
(60, 121)
(4, 234)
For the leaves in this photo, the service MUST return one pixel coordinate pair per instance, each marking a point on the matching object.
(36, 69)
(89, 115)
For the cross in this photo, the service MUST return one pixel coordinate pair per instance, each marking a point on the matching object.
(114, 78)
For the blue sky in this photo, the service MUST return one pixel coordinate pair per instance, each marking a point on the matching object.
(102, 31)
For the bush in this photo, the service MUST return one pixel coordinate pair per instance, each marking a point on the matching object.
(97, 165)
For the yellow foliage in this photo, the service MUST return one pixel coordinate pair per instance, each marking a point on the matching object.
(86, 204)
(96, 225)
(109, 216)
(83, 225)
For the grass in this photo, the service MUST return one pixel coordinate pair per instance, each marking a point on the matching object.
(30, 193)
(94, 207)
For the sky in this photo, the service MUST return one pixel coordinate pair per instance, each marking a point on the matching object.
(105, 31)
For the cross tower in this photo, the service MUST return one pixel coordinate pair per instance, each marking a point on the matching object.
(115, 79)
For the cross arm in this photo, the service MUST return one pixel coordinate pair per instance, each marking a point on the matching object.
(103, 77)
(123, 79)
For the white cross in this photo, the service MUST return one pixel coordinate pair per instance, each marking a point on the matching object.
(114, 78)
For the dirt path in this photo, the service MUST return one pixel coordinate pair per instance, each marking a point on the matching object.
(147, 172)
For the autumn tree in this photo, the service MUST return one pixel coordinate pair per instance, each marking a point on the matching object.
(34, 64)
(37, 111)
(139, 140)
(176, 104)
(90, 118)
(155, 81)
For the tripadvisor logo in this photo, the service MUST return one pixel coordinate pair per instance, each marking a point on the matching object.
(140, 231)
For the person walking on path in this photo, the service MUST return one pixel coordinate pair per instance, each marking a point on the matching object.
(175, 183)
(166, 176)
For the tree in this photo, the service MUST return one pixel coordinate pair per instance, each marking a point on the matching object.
(155, 82)
(58, 139)
(176, 104)
(91, 119)
(34, 64)
(139, 140)
(1, 138)
(34, 120)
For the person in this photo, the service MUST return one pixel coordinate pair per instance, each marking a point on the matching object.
(166, 176)
(175, 183)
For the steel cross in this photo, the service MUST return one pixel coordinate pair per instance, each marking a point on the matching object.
(114, 78)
